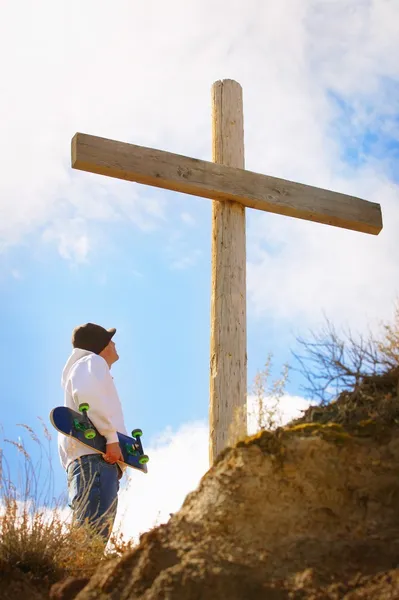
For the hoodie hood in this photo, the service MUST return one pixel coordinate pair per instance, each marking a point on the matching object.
(76, 355)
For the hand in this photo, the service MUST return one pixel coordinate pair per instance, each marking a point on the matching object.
(113, 453)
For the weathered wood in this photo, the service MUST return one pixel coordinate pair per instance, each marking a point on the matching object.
(228, 377)
(220, 182)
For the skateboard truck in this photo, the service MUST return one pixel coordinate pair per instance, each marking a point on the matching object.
(85, 425)
(136, 449)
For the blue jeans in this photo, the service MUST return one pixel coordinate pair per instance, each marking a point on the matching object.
(93, 486)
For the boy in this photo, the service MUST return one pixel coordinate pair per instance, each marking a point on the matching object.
(93, 480)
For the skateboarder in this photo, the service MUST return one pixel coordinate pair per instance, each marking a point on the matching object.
(93, 479)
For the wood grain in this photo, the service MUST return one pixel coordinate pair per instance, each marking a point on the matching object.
(196, 177)
(228, 373)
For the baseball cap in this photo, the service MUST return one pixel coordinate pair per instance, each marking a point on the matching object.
(92, 337)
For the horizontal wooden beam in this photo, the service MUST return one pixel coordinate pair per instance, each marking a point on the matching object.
(219, 182)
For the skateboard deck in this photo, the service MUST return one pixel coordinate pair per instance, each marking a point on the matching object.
(78, 426)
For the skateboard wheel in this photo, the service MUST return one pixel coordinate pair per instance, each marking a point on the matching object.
(144, 459)
(83, 406)
(90, 434)
(137, 433)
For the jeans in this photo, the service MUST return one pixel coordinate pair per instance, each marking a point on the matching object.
(93, 486)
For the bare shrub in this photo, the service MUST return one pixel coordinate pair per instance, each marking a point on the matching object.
(333, 362)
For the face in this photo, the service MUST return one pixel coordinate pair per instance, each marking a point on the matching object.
(110, 353)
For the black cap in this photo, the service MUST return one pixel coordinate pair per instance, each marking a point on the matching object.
(92, 337)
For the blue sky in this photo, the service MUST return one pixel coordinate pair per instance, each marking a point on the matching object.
(321, 107)
(365, 132)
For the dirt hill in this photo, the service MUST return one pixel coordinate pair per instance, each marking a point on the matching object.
(309, 511)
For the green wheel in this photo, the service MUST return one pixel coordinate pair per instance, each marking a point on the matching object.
(144, 459)
(83, 406)
(90, 434)
(137, 433)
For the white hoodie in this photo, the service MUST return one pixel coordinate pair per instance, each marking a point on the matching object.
(86, 377)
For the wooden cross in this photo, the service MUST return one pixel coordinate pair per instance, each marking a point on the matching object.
(231, 188)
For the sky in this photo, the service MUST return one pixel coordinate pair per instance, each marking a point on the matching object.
(320, 86)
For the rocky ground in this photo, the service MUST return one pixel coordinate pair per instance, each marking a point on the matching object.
(309, 511)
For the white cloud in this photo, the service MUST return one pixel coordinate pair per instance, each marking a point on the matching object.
(89, 67)
(288, 407)
(71, 238)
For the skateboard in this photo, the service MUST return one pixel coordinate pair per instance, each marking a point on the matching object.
(77, 425)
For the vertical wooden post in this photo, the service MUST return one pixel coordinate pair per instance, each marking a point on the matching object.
(228, 378)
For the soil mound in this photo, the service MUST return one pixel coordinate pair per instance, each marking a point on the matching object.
(307, 511)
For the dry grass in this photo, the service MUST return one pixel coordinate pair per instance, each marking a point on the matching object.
(266, 409)
(268, 395)
(37, 535)
(389, 345)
